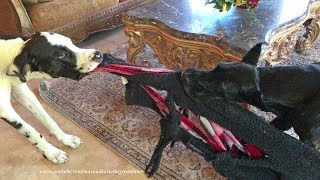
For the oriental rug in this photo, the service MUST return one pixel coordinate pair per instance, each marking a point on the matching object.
(97, 104)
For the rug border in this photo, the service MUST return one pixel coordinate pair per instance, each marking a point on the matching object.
(45, 93)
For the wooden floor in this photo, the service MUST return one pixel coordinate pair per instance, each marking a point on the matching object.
(20, 160)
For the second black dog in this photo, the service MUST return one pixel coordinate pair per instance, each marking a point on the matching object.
(290, 92)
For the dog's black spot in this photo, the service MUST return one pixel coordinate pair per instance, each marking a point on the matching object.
(40, 135)
(35, 144)
(27, 134)
(14, 124)
(5, 119)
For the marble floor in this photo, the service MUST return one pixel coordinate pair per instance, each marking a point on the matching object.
(20, 160)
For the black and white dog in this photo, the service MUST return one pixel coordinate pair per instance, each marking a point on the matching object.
(290, 92)
(44, 55)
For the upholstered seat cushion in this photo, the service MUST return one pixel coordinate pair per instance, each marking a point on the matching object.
(27, 2)
(46, 16)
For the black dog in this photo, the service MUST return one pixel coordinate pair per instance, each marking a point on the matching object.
(296, 162)
(290, 92)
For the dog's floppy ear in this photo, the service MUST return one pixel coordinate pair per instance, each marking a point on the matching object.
(26, 61)
(20, 66)
(253, 54)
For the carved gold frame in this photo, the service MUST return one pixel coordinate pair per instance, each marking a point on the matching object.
(176, 49)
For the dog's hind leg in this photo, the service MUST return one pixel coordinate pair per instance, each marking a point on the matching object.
(285, 121)
(164, 140)
(307, 126)
(25, 96)
(307, 123)
(8, 114)
(169, 134)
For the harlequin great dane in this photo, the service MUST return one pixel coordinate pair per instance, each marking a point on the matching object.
(44, 55)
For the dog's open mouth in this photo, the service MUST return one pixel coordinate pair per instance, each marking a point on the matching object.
(107, 60)
(82, 74)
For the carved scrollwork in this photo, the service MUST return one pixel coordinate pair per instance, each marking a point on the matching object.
(179, 57)
(280, 47)
(303, 41)
(135, 43)
(194, 58)
(287, 45)
(312, 32)
(134, 38)
(173, 52)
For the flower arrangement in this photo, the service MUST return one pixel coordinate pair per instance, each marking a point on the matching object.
(225, 5)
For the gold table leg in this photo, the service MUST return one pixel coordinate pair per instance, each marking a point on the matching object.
(284, 39)
(312, 32)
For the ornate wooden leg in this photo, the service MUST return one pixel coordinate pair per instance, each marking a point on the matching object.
(312, 32)
(282, 40)
(136, 44)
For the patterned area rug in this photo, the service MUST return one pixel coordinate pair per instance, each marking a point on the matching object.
(97, 104)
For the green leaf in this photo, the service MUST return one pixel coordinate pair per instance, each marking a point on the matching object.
(218, 6)
(221, 2)
(228, 6)
(230, 1)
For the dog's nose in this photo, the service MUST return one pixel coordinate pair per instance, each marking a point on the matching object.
(97, 56)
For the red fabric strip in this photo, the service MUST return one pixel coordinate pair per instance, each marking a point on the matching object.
(221, 135)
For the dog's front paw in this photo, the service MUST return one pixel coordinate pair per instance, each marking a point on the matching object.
(55, 155)
(70, 140)
(316, 138)
(317, 144)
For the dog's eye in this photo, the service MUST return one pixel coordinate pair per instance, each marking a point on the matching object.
(62, 55)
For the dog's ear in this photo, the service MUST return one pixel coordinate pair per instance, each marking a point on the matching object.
(253, 54)
(21, 66)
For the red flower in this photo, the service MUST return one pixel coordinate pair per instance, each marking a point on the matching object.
(250, 3)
